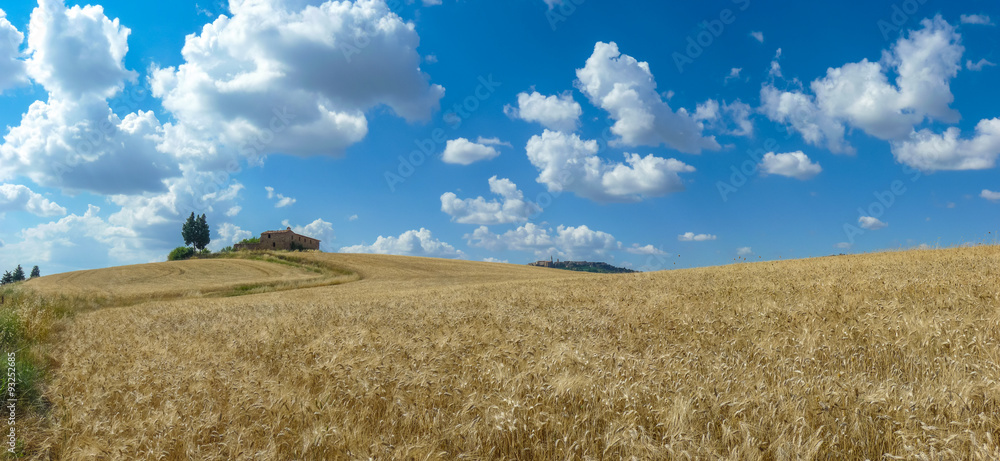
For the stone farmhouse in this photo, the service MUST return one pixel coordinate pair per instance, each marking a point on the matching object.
(280, 240)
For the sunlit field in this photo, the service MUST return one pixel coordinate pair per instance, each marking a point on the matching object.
(882, 356)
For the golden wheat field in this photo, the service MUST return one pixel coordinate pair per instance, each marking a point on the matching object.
(879, 356)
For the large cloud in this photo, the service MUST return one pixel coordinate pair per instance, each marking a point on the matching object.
(282, 77)
(77, 52)
(625, 87)
(410, 243)
(860, 95)
(567, 163)
(82, 145)
(512, 208)
(74, 140)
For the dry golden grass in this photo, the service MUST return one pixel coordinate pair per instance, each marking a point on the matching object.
(884, 356)
(176, 278)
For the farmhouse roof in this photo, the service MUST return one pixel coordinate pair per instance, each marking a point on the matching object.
(288, 231)
(279, 231)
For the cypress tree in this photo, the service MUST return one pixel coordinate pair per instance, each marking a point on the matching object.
(202, 234)
(188, 230)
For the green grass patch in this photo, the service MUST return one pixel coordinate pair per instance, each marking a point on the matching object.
(27, 323)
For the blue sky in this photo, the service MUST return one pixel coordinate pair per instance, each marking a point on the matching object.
(503, 131)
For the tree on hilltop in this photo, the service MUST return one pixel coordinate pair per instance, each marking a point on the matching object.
(18, 274)
(195, 231)
(187, 230)
(202, 236)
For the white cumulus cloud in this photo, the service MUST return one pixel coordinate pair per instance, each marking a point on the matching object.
(871, 223)
(990, 195)
(929, 151)
(860, 94)
(567, 163)
(282, 76)
(562, 242)
(16, 197)
(74, 141)
(77, 51)
(461, 151)
(410, 243)
(626, 89)
(511, 208)
(231, 233)
(793, 165)
(557, 113)
(318, 229)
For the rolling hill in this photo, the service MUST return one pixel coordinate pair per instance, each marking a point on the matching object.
(880, 356)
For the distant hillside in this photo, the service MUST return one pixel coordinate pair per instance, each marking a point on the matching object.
(583, 266)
